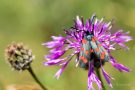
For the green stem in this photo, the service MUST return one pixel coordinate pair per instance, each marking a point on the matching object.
(99, 76)
(35, 78)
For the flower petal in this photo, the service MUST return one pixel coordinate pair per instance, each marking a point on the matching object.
(93, 78)
(53, 62)
(55, 55)
(59, 72)
(121, 67)
(118, 66)
(78, 23)
(107, 77)
(58, 38)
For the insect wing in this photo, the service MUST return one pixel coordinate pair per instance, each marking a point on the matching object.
(99, 50)
(84, 56)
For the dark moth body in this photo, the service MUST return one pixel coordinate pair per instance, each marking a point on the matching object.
(92, 50)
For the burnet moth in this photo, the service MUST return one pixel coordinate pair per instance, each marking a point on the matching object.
(92, 49)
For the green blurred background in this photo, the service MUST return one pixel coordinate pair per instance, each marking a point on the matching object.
(35, 21)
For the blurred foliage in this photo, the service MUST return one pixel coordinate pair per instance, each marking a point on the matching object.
(34, 21)
(23, 87)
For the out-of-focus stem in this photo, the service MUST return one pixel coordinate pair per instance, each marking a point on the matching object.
(100, 78)
(36, 79)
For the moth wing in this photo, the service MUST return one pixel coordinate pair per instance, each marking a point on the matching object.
(84, 56)
(99, 50)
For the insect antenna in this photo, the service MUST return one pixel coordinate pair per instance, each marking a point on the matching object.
(100, 31)
(92, 18)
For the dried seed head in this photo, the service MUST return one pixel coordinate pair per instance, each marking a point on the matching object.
(18, 56)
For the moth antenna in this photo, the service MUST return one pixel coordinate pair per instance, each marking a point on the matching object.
(92, 31)
(101, 30)
(82, 20)
(92, 18)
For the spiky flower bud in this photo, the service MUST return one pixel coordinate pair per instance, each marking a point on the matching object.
(18, 56)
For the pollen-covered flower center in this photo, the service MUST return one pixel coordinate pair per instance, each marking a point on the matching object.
(92, 50)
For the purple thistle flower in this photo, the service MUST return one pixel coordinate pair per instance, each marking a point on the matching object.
(92, 43)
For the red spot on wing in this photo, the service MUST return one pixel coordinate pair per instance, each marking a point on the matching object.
(102, 55)
(84, 41)
(91, 50)
(93, 40)
(99, 45)
(97, 49)
(82, 49)
(86, 52)
(83, 59)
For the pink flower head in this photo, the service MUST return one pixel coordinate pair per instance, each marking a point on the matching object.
(92, 43)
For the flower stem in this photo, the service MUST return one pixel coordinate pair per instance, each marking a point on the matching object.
(35, 78)
(99, 76)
